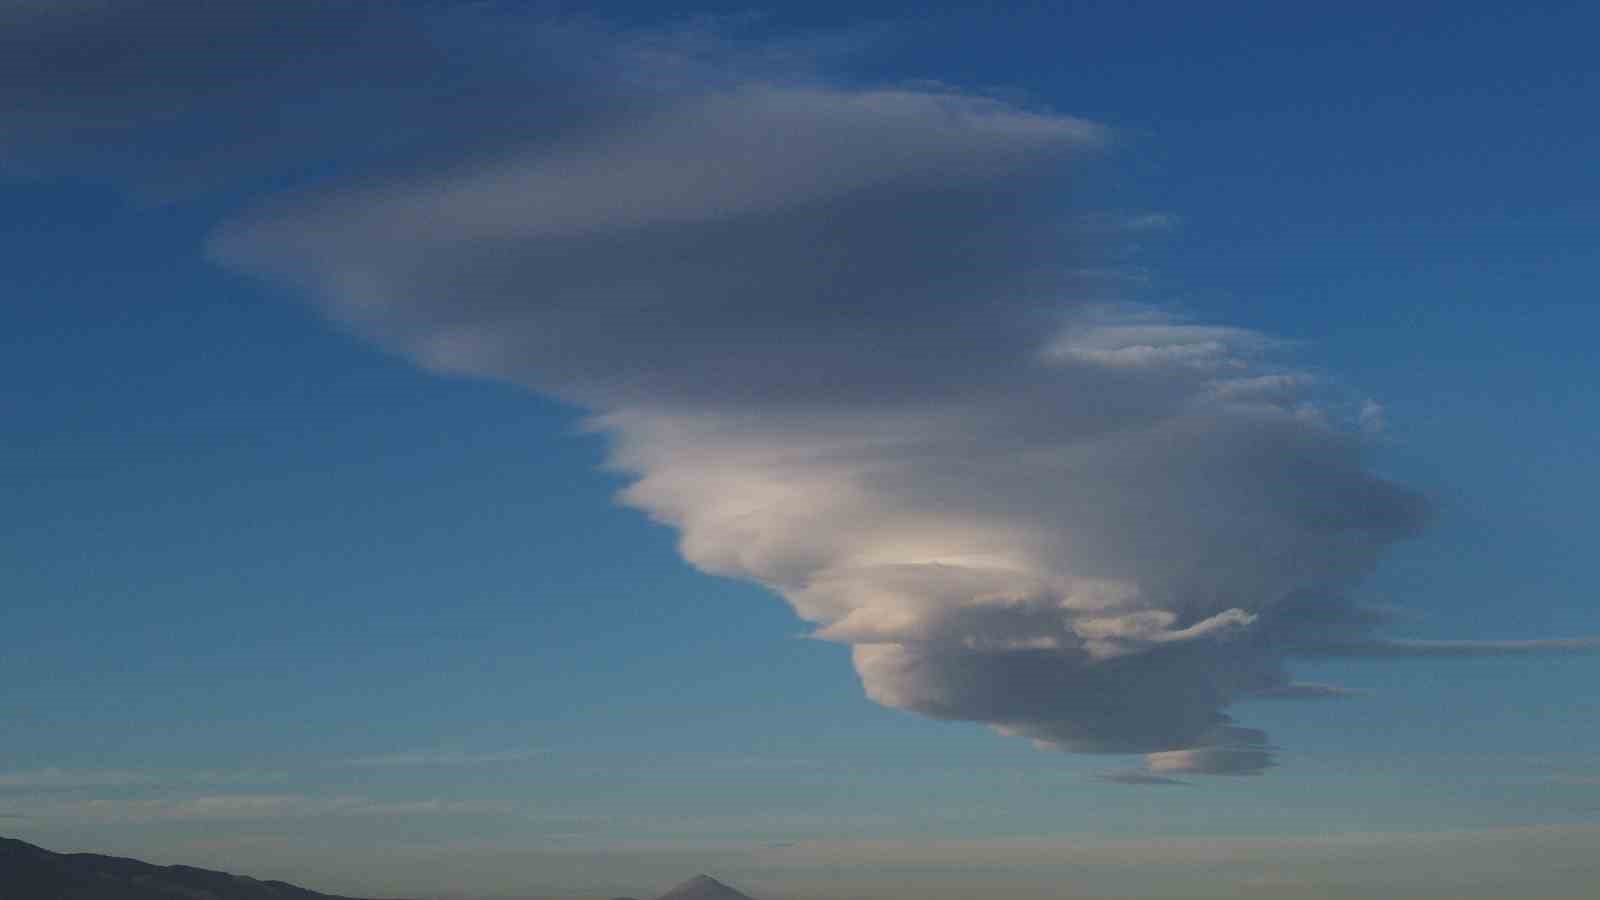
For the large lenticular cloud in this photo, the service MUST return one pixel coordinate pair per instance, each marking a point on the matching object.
(842, 340)
(846, 340)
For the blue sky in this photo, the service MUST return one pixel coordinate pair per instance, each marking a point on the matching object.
(281, 601)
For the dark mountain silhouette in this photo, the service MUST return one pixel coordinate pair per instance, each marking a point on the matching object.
(28, 872)
(34, 873)
(703, 887)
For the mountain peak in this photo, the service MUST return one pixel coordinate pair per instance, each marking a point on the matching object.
(703, 887)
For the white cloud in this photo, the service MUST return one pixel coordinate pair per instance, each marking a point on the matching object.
(1142, 344)
(1211, 760)
(1129, 222)
(1372, 417)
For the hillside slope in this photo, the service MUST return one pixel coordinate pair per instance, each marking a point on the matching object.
(34, 873)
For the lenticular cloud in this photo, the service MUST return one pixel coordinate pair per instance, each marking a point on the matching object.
(855, 344)
(849, 343)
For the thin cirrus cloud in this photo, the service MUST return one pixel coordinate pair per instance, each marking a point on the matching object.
(1139, 777)
(1307, 690)
(52, 779)
(850, 341)
(71, 778)
(232, 807)
(441, 758)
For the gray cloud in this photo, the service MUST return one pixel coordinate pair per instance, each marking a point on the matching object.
(852, 343)
(831, 335)
(1305, 690)
(180, 96)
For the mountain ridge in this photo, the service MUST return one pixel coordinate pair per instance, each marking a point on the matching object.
(30, 872)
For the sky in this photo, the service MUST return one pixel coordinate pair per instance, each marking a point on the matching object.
(489, 450)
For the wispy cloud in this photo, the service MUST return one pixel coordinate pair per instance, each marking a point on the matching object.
(236, 807)
(74, 778)
(443, 758)
(1130, 222)
(1395, 648)
(57, 778)
(1138, 776)
(1306, 690)
(1213, 849)
(1223, 758)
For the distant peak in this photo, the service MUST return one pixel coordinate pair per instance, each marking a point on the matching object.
(704, 887)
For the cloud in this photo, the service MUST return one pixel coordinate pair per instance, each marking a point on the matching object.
(60, 779)
(1333, 849)
(830, 336)
(1211, 760)
(839, 337)
(442, 758)
(71, 778)
(1306, 690)
(179, 96)
(235, 807)
(1136, 776)
(1392, 648)
(1130, 222)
